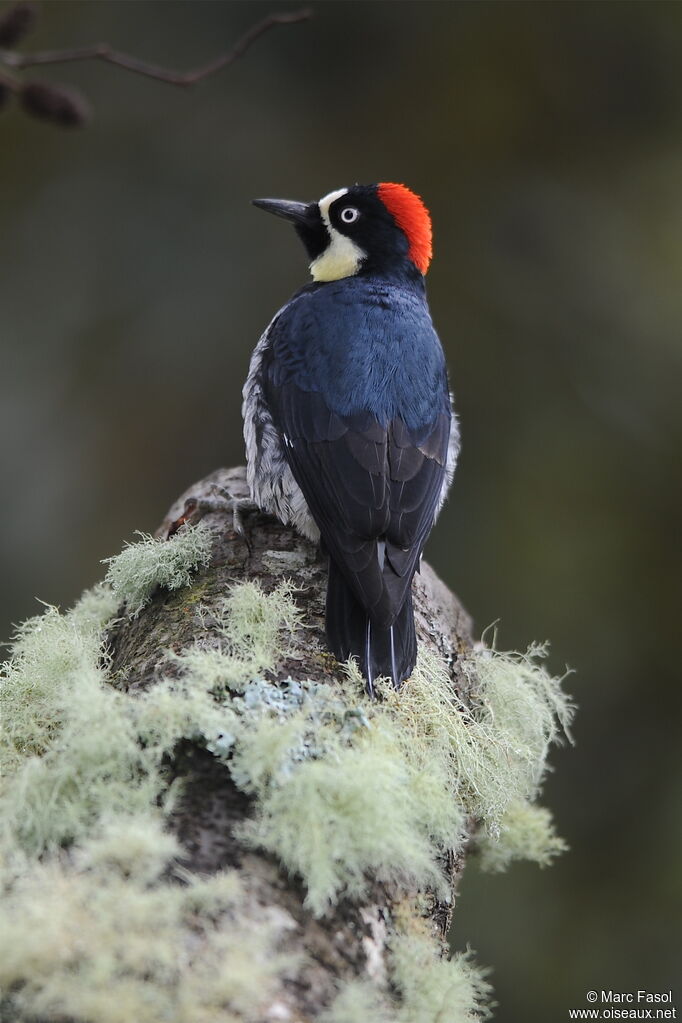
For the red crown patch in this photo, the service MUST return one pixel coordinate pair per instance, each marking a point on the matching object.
(412, 217)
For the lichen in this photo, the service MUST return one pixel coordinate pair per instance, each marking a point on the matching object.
(526, 833)
(109, 935)
(252, 630)
(50, 656)
(434, 988)
(363, 812)
(72, 747)
(359, 1000)
(496, 746)
(135, 573)
(344, 789)
(340, 797)
(326, 764)
(426, 987)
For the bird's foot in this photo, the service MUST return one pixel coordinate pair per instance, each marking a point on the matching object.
(224, 500)
(221, 500)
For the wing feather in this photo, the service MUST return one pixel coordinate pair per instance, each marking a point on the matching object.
(372, 489)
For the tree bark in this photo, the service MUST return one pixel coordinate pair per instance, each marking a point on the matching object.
(350, 940)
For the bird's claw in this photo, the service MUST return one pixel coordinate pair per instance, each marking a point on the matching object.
(224, 500)
(221, 500)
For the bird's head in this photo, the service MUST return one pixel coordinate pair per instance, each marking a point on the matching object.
(363, 229)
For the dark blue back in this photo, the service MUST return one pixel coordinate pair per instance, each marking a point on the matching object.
(366, 344)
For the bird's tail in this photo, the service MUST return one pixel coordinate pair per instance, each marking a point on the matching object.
(389, 652)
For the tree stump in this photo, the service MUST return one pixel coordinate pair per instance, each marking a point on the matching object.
(350, 940)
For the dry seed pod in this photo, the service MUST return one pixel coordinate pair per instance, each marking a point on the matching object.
(55, 103)
(16, 23)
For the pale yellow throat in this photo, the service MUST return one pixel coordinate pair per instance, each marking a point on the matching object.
(342, 257)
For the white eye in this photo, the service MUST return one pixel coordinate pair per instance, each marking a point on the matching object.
(349, 214)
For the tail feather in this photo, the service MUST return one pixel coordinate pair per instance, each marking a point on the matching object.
(390, 652)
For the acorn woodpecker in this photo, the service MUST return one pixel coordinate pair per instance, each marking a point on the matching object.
(350, 435)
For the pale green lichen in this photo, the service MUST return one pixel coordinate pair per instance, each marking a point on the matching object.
(344, 789)
(109, 937)
(362, 811)
(253, 630)
(51, 656)
(496, 749)
(359, 1000)
(526, 833)
(326, 764)
(94, 610)
(135, 573)
(72, 747)
(425, 987)
(324, 773)
(434, 989)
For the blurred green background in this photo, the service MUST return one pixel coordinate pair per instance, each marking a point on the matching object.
(547, 140)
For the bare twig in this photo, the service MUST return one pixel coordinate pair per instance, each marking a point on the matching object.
(103, 52)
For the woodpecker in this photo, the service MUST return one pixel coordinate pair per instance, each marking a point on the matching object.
(348, 423)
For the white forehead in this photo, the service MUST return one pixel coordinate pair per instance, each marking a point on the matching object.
(325, 203)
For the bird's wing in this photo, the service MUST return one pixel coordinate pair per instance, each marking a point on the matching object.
(372, 489)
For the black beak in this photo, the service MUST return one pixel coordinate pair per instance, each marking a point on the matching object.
(297, 212)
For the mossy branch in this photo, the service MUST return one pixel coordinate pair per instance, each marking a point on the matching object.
(256, 838)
